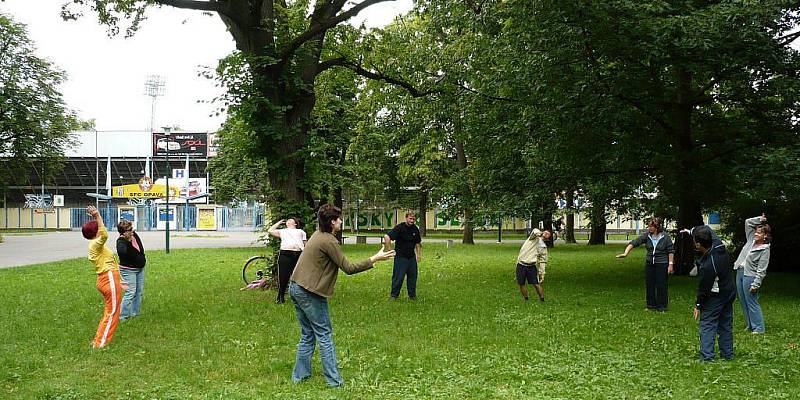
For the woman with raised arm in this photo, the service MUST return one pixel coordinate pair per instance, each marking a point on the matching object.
(109, 283)
(293, 240)
(751, 268)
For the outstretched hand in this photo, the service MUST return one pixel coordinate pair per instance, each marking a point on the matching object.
(382, 255)
(92, 210)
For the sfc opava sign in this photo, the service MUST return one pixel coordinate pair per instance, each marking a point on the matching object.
(145, 189)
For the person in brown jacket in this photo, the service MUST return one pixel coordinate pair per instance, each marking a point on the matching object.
(312, 284)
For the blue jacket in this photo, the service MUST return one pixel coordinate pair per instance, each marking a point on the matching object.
(716, 276)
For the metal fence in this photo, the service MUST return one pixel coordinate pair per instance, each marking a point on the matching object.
(228, 219)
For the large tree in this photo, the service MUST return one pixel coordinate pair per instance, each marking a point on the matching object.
(671, 97)
(700, 84)
(283, 46)
(34, 121)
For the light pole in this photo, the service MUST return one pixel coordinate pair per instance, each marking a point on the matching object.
(96, 172)
(167, 131)
(154, 87)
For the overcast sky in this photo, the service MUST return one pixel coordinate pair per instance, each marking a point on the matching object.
(106, 76)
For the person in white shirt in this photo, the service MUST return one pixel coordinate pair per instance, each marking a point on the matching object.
(293, 240)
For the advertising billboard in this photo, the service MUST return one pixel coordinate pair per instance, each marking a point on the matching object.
(145, 189)
(206, 218)
(180, 144)
(166, 216)
(213, 145)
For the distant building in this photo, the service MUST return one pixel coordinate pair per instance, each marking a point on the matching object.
(133, 154)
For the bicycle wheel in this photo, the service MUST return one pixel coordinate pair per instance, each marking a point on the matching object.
(254, 269)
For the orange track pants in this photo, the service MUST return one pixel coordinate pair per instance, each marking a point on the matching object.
(108, 284)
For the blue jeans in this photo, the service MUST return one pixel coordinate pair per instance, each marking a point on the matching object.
(716, 318)
(132, 300)
(750, 307)
(404, 267)
(315, 326)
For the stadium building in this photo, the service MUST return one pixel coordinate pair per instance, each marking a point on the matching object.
(125, 173)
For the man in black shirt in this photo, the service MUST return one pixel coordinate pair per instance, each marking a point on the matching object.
(715, 295)
(408, 248)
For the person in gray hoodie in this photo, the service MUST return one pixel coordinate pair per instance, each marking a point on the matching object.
(658, 262)
(751, 268)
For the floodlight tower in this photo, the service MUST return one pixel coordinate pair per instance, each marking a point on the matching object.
(155, 87)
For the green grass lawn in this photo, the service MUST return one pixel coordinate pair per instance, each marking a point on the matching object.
(492, 235)
(431, 234)
(468, 336)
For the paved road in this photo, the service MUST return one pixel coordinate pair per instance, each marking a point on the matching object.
(55, 246)
(39, 248)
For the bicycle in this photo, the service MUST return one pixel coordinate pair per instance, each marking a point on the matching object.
(258, 268)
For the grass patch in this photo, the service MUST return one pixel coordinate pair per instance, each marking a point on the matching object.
(196, 235)
(431, 234)
(468, 336)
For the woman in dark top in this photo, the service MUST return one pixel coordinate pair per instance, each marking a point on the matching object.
(131, 267)
(658, 262)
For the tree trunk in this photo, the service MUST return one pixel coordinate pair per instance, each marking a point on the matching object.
(598, 222)
(548, 225)
(422, 221)
(569, 232)
(338, 201)
(689, 207)
(469, 228)
(461, 158)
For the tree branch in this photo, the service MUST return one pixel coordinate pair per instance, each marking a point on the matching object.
(322, 27)
(787, 39)
(484, 95)
(193, 4)
(360, 70)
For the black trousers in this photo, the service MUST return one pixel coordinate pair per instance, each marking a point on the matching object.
(656, 282)
(287, 259)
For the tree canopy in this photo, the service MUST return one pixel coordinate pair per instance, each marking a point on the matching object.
(666, 108)
(34, 121)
